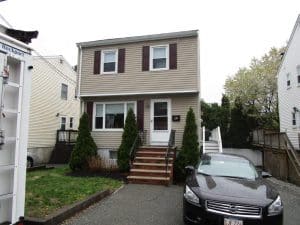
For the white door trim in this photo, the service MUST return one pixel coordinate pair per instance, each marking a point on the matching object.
(166, 135)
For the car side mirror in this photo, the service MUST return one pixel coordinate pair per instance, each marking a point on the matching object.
(265, 174)
(189, 169)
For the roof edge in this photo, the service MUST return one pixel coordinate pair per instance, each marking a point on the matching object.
(133, 39)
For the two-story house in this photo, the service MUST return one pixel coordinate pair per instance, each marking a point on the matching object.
(155, 75)
(289, 88)
(53, 106)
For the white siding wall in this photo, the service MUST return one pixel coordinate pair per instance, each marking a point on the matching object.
(46, 102)
(290, 97)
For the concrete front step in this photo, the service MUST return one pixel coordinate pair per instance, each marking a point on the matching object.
(148, 180)
(152, 159)
(150, 173)
(150, 166)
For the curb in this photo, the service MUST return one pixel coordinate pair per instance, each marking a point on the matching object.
(68, 211)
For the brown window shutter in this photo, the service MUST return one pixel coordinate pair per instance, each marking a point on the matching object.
(145, 58)
(140, 115)
(89, 111)
(121, 60)
(173, 56)
(97, 62)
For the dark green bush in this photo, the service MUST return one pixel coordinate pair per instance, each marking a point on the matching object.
(128, 138)
(84, 148)
(189, 153)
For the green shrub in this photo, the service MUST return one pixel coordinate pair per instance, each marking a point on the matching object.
(128, 138)
(189, 153)
(84, 148)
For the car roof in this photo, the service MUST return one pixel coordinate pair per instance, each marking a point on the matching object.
(225, 156)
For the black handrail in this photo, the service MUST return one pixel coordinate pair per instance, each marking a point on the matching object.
(139, 139)
(171, 144)
(66, 136)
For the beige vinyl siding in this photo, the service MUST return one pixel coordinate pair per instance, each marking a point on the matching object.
(46, 101)
(180, 104)
(184, 78)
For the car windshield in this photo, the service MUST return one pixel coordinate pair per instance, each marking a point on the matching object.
(227, 166)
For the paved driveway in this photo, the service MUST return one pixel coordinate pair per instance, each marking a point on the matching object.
(135, 205)
(159, 205)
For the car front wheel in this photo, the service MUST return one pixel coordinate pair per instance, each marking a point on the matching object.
(29, 162)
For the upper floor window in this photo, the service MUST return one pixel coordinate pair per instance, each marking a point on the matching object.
(288, 80)
(109, 61)
(64, 91)
(159, 57)
(298, 74)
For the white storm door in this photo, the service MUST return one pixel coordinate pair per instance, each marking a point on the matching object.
(160, 121)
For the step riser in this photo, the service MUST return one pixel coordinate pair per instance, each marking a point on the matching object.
(141, 154)
(154, 182)
(146, 167)
(151, 160)
(153, 149)
(149, 174)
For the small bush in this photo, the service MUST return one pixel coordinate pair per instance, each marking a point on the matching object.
(128, 138)
(94, 163)
(84, 148)
(189, 153)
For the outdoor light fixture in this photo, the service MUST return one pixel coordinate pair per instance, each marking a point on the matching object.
(295, 109)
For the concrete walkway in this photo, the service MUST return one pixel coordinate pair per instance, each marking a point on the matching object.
(135, 205)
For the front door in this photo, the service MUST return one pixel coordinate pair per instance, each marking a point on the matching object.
(160, 121)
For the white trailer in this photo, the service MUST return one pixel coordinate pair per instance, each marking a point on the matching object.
(15, 82)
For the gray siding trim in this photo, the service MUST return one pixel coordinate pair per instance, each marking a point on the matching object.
(126, 40)
(142, 93)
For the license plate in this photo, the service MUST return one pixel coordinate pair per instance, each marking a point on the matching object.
(232, 222)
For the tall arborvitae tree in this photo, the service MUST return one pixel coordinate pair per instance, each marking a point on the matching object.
(129, 135)
(85, 146)
(239, 129)
(225, 119)
(189, 153)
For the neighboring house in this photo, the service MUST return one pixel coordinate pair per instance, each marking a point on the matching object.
(289, 88)
(155, 75)
(54, 104)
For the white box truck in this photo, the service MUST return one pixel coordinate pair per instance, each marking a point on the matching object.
(15, 82)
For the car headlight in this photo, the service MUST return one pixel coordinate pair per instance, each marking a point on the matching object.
(276, 207)
(190, 195)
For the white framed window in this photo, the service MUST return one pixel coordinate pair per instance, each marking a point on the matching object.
(294, 122)
(298, 74)
(63, 121)
(109, 61)
(71, 125)
(288, 80)
(64, 91)
(159, 57)
(111, 115)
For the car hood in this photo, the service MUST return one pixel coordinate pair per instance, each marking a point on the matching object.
(257, 192)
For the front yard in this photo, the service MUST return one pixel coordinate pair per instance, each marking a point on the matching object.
(49, 190)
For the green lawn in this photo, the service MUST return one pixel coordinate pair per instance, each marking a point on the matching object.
(49, 190)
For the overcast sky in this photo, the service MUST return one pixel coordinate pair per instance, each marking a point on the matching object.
(231, 31)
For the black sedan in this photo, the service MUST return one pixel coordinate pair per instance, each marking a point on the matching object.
(227, 190)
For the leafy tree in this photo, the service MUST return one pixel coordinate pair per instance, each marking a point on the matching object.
(128, 138)
(239, 130)
(210, 115)
(225, 119)
(189, 153)
(256, 86)
(84, 148)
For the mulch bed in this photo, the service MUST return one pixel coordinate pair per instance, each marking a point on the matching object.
(107, 174)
